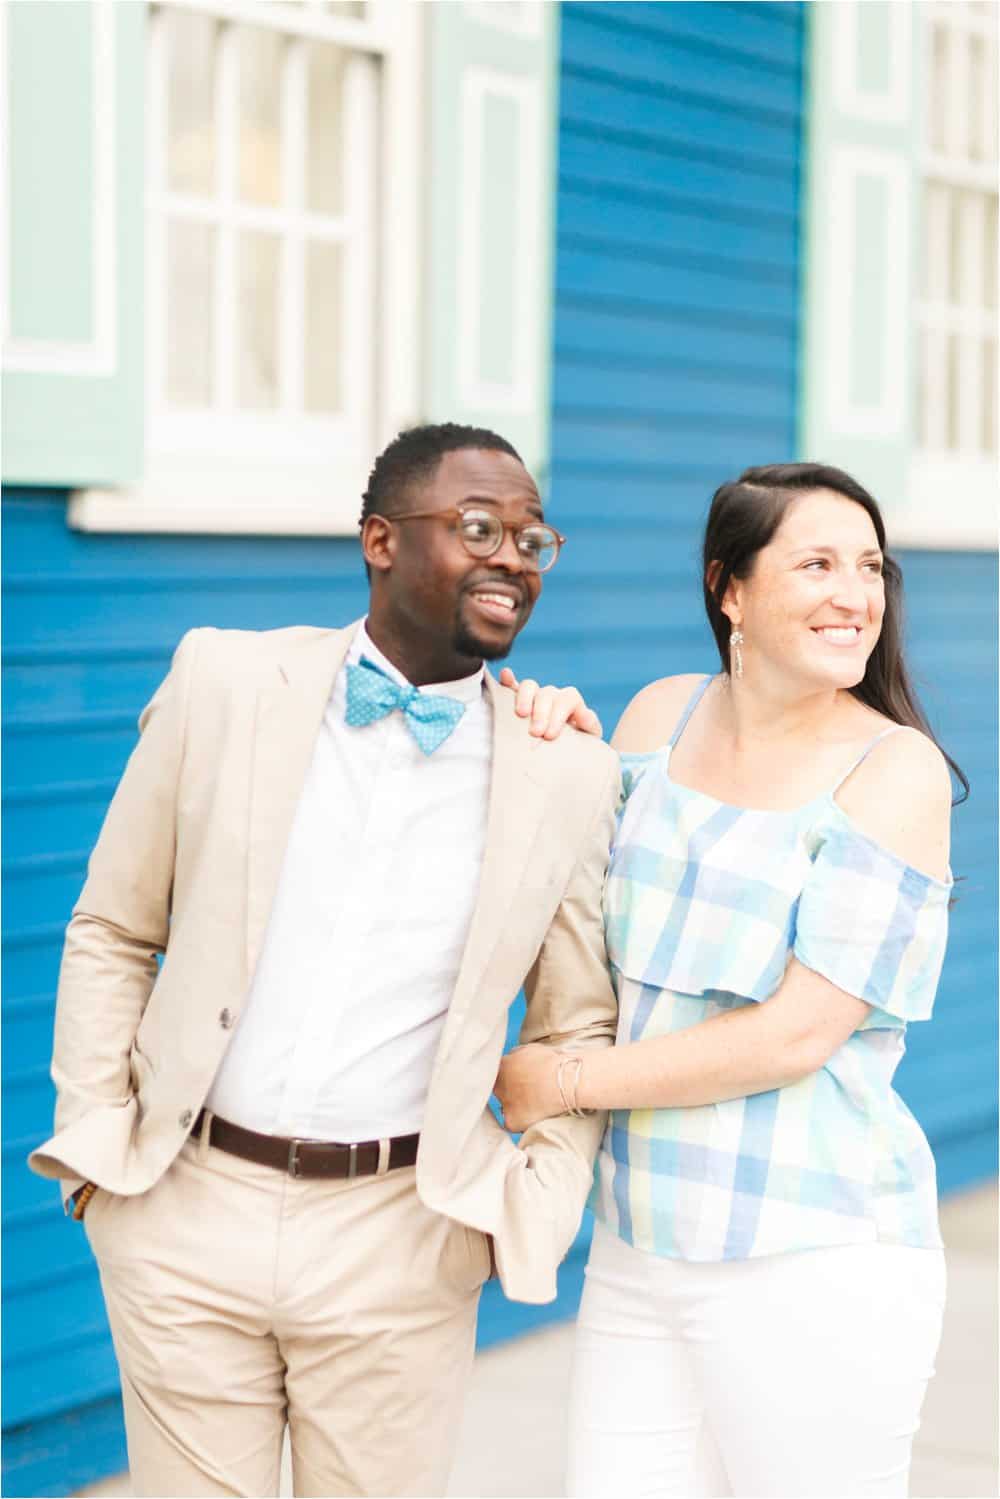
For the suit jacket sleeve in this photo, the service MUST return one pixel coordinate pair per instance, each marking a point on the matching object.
(570, 1003)
(120, 922)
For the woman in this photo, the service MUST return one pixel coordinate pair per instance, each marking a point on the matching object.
(765, 1287)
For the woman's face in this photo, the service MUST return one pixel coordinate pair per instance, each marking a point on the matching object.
(812, 607)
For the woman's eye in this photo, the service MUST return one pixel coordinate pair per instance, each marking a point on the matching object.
(816, 562)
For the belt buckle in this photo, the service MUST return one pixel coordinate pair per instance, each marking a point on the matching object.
(295, 1168)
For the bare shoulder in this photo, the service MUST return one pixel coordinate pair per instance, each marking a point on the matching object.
(900, 795)
(650, 717)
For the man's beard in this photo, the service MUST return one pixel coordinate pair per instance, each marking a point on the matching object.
(465, 642)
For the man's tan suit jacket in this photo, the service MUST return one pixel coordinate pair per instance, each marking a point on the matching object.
(187, 865)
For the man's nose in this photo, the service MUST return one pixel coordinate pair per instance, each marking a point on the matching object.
(507, 554)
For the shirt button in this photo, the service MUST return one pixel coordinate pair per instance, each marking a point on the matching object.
(226, 1019)
(186, 1119)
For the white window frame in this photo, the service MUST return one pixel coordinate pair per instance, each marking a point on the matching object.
(951, 494)
(284, 472)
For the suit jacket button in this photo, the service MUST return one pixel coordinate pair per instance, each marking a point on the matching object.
(186, 1119)
(226, 1019)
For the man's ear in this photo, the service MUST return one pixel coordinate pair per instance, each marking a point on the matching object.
(378, 543)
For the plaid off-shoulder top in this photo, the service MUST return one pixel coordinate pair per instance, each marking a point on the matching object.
(704, 904)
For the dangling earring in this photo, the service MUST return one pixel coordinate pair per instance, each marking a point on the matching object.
(735, 641)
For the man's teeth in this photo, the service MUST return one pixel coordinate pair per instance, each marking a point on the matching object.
(496, 598)
(840, 634)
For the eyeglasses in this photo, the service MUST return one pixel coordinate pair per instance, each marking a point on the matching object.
(481, 532)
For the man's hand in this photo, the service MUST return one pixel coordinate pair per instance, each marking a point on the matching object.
(527, 1086)
(550, 708)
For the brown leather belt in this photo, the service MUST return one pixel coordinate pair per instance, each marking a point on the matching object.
(318, 1158)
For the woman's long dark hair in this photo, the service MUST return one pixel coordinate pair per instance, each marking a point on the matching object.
(743, 518)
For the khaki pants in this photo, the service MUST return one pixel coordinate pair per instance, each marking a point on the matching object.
(241, 1299)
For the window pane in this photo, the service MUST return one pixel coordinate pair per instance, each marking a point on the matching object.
(261, 55)
(190, 264)
(192, 41)
(990, 289)
(350, 8)
(952, 431)
(990, 395)
(259, 259)
(978, 104)
(936, 241)
(939, 90)
(324, 289)
(324, 168)
(958, 222)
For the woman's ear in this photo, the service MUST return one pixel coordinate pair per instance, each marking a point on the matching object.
(730, 603)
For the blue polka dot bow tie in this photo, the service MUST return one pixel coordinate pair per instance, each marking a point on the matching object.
(371, 695)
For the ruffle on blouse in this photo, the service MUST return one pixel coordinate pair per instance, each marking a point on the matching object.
(722, 899)
(871, 923)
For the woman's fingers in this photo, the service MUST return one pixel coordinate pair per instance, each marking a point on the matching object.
(584, 718)
(555, 707)
(524, 692)
(527, 695)
(550, 708)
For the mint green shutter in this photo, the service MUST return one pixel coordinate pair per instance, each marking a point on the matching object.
(492, 95)
(73, 348)
(861, 185)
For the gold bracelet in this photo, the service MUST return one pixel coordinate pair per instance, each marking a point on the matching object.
(563, 1059)
(81, 1198)
(569, 1100)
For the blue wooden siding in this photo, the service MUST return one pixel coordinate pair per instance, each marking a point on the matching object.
(676, 314)
(949, 1075)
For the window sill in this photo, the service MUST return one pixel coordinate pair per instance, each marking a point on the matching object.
(950, 505)
(98, 510)
(205, 498)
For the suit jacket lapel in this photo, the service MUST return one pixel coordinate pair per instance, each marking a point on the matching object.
(290, 709)
(517, 801)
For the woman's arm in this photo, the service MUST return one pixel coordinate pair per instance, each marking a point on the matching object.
(744, 1051)
(900, 797)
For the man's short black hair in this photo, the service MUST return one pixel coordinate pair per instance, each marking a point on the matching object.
(415, 454)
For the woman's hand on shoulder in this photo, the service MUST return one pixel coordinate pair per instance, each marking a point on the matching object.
(651, 716)
(900, 796)
(550, 708)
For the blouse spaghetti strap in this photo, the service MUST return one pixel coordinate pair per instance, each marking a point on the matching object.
(689, 708)
(863, 755)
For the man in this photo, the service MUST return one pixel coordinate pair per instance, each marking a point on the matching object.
(351, 853)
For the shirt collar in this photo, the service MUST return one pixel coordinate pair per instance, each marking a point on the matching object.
(465, 689)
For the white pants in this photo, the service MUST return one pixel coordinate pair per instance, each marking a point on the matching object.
(795, 1374)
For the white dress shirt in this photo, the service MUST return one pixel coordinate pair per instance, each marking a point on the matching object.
(376, 893)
